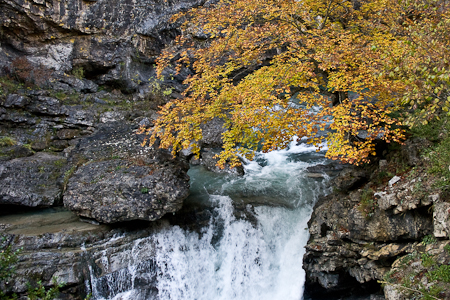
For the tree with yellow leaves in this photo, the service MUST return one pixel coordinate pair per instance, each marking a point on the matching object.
(250, 56)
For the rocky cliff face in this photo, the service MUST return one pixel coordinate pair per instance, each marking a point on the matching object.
(375, 219)
(56, 123)
(89, 156)
(113, 42)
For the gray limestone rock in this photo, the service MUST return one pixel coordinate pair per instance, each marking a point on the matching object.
(32, 181)
(110, 41)
(14, 100)
(349, 179)
(46, 106)
(121, 181)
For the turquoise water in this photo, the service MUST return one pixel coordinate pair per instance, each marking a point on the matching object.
(253, 245)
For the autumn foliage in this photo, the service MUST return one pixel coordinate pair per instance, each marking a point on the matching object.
(363, 70)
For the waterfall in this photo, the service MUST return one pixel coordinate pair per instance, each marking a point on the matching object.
(234, 257)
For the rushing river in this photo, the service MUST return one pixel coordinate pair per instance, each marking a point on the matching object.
(252, 246)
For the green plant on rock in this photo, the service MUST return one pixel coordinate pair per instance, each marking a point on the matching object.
(9, 85)
(8, 259)
(68, 174)
(6, 141)
(440, 163)
(78, 72)
(438, 155)
(447, 248)
(156, 86)
(425, 281)
(41, 293)
(429, 239)
(368, 204)
(427, 260)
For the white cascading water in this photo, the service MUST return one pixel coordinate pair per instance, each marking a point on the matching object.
(232, 258)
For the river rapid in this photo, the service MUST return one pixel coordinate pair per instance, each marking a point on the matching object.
(252, 246)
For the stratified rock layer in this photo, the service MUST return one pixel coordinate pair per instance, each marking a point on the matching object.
(358, 232)
(108, 42)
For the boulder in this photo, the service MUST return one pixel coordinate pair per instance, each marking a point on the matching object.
(119, 180)
(14, 100)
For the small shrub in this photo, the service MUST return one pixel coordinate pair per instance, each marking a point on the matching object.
(144, 190)
(442, 273)
(367, 204)
(27, 73)
(429, 239)
(447, 248)
(427, 260)
(78, 72)
(6, 141)
(41, 293)
(440, 163)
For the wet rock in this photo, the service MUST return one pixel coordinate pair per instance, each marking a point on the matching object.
(121, 180)
(32, 181)
(331, 169)
(56, 244)
(209, 161)
(350, 179)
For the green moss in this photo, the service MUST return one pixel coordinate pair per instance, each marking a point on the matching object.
(6, 141)
(69, 174)
(59, 163)
(8, 85)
